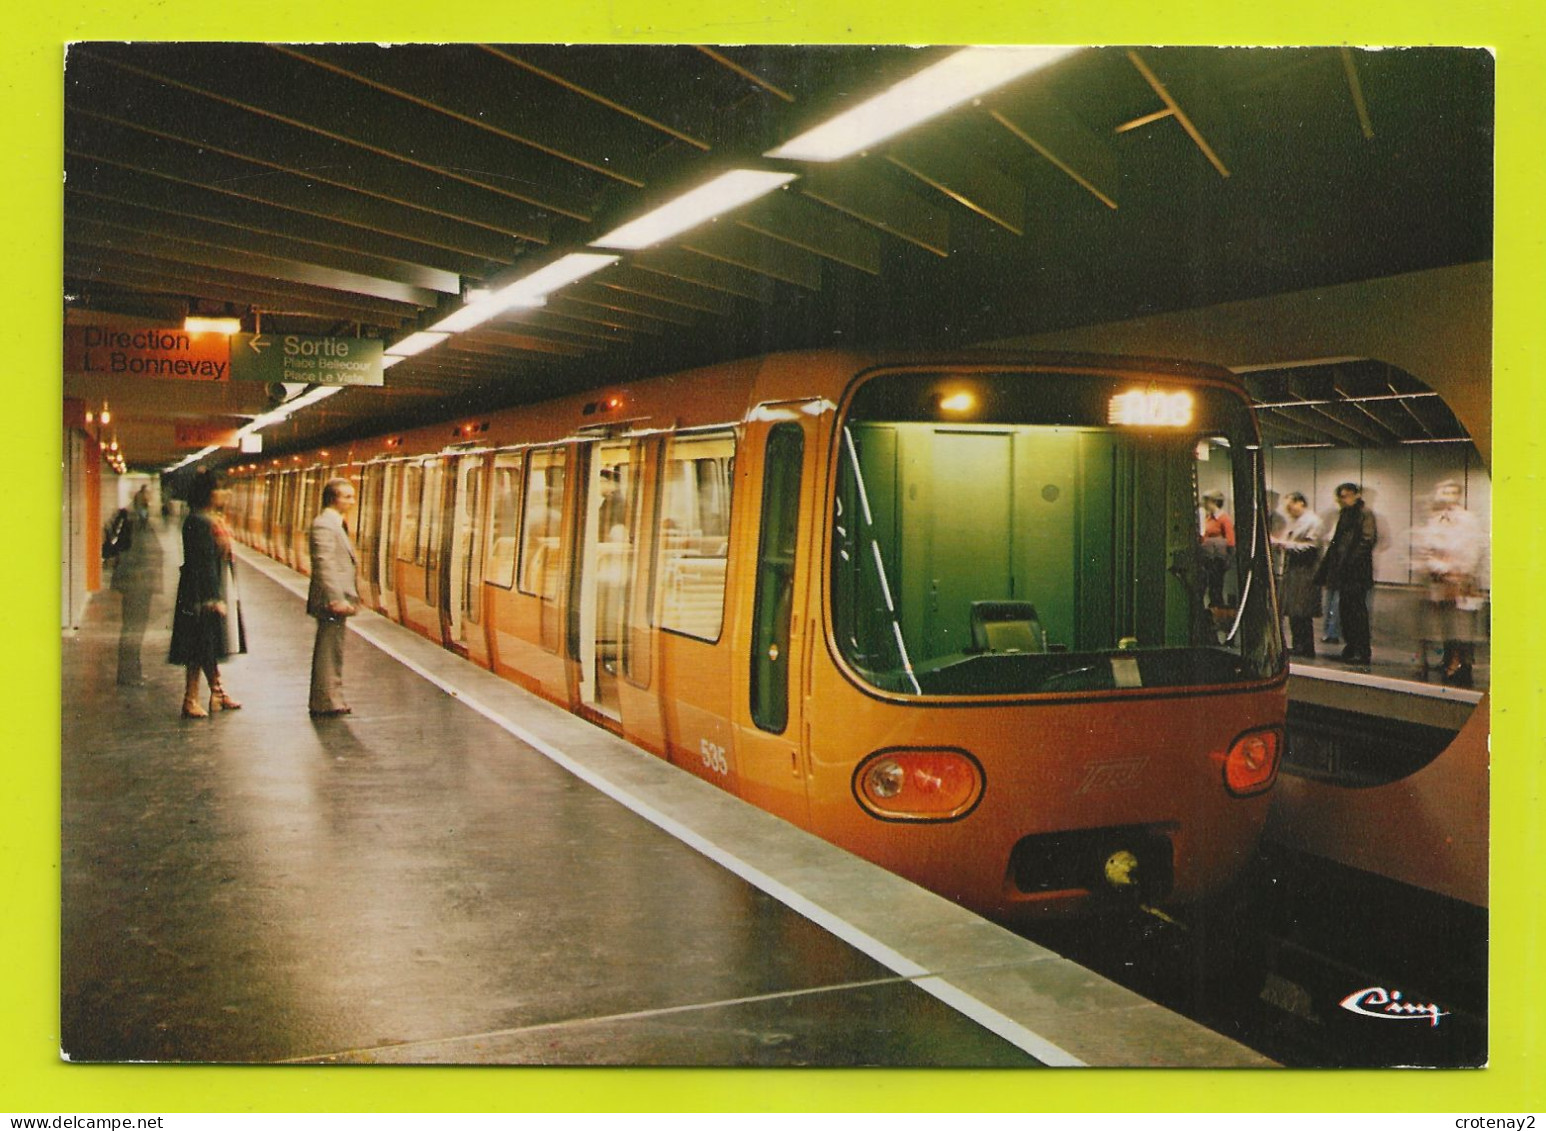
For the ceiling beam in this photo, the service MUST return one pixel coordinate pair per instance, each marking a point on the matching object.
(118, 237)
(859, 192)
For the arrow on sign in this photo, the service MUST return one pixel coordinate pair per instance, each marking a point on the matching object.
(258, 343)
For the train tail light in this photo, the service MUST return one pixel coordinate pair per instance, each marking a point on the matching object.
(919, 785)
(1251, 765)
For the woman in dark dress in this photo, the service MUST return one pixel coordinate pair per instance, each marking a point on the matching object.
(207, 624)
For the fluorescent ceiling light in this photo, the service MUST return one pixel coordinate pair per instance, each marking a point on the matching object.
(477, 313)
(186, 460)
(319, 393)
(416, 343)
(562, 272)
(526, 293)
(730, 190)
(968, 73)
(387, 360)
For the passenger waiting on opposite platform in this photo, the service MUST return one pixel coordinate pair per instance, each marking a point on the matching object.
(207, 621)
(1299, 594)
(1218, 544)
(1348, 568)
(1447, 554)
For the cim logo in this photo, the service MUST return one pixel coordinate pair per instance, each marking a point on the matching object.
(1388, 1005)
(1113, 776)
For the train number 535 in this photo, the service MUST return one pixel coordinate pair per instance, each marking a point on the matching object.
(714, 756)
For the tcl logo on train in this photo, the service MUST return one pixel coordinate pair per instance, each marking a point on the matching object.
(1107, 777)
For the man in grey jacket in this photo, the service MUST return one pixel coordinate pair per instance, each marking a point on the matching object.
(333, 598)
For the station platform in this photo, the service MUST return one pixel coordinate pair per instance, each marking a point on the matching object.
(461, 873)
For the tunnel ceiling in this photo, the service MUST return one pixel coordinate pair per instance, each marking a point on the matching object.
(360, 190)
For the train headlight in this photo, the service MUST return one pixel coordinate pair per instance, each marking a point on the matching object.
(1251, 765)
(919, 785)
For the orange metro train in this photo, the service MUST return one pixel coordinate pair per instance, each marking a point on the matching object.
(950, 612)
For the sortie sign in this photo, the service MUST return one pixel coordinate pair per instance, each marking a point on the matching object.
(306, 358)
(174, 354)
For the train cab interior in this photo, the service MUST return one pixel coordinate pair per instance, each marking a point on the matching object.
(1026, 554)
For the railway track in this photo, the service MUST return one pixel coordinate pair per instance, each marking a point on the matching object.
(1309, 963)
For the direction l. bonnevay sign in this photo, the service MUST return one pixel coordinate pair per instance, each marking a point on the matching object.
(173, 354)
(306, 358)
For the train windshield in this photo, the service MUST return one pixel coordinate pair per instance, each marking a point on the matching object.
(1021, 533)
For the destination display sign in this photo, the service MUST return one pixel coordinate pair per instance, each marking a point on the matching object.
(173, 354)
(306, 358)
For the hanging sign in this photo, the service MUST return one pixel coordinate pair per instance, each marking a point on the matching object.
(306, 358)
(173, 354)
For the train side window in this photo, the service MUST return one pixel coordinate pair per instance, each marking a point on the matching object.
(776, 557)
(504, 517)
(694, 529)
(408, 531)
(542, 522)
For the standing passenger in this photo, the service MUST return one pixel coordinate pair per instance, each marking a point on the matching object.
(207, 621)
(1348, 567)
(141, 505)
(333, 597)
(1218, 543)
(1447, 552)
(1300, 595)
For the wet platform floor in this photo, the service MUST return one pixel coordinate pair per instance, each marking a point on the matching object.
(480, 877)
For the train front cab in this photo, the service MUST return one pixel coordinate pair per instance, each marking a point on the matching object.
(1122, 740)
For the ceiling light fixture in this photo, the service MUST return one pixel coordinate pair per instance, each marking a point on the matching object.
(195, 324)
(527, 293)
(967, 74)
(725, 192)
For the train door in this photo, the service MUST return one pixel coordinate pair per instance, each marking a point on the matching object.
(693, 578)
(605, 566)
(462, 606)
(266, 520)
(504, 520)
(638, 689)
(368, 531)
(300, 528)
(385, 564)
(419, 551)
(435, 528)
(774, 631)
(284, 492)
(529, 551)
